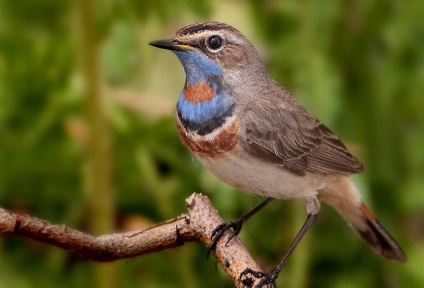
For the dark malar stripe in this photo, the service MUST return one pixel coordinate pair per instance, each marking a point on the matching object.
(203, 128)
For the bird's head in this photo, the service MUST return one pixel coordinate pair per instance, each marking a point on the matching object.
(212, 49)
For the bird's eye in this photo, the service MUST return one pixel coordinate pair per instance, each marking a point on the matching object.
(215, 42)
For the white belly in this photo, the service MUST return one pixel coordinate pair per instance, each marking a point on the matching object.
(257, 177)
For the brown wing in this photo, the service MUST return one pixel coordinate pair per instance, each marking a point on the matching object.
(287, 135)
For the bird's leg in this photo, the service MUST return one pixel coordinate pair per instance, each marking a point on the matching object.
(234, 225)
(268, 279)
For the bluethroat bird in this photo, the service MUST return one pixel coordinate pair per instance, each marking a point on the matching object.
(253, 135)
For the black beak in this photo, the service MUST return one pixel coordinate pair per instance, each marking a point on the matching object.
(170, 44)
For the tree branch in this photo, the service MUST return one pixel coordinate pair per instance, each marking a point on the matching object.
(197, 225)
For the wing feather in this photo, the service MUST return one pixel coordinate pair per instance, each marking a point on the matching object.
(288, 136)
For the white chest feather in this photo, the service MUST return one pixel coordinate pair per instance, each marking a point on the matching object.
(257, 177)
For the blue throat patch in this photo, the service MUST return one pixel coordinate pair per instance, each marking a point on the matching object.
(197, 66)
(205, 116)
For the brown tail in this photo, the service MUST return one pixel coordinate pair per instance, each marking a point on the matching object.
(377, 237)
(344, 197)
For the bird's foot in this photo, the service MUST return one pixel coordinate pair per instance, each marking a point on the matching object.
(219, 231)
(266, 279)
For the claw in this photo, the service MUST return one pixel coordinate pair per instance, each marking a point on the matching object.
(235, 226)
(219, 231)
(267, 279)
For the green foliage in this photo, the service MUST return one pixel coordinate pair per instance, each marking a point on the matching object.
(357, 65)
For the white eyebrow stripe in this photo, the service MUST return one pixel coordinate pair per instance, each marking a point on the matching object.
(197, 35)
(236, 39)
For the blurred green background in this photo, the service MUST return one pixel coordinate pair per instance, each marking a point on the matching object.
(87, 135)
